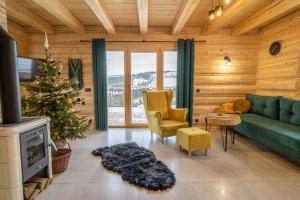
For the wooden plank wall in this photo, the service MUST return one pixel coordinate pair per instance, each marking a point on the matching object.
(217, 83)
(3, 18)
(18, 32)
(14, 29)
(280, 75)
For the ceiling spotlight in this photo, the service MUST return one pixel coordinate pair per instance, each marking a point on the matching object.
(219, 9)
(211, 13)
(227, 1)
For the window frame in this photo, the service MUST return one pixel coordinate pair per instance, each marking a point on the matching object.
(159, 48)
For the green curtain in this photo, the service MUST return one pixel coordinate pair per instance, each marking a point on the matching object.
(100, 83)
(185, 76)
(75, 72)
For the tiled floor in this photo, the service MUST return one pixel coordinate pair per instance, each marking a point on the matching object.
(246, 171)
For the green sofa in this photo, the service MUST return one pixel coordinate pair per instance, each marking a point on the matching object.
(275, 123)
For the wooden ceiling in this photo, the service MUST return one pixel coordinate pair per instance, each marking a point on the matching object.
(143, 13)
(199, 17)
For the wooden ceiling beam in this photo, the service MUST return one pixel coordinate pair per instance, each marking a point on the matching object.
(16, 11)
(185, 11)
(102, 14)
(143, 15)
(57, 9)
(272, 12)
(225, 17)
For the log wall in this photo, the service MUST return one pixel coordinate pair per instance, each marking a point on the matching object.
(3, 18)
(217, 83)
(18, 32)
(14, 29)
(280, 75)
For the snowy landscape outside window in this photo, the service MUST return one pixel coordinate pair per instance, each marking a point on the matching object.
(170, 73)
(143, 67)
(143, 77)
(115, 87)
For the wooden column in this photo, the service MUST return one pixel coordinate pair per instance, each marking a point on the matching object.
(159, 70)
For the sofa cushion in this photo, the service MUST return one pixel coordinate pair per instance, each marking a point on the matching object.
(276, 131)
(289, 111)
(264, 105)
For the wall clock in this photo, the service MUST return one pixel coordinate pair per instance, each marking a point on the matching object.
(275, 48)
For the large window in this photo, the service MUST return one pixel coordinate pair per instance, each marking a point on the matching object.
(128, 74)
(170, 72)
(143, 77)
(115, 87)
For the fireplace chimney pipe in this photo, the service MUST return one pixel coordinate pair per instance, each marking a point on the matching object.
(9, 80)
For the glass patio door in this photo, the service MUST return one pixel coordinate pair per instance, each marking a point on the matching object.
(115, 88)
(128, 74)
(143, 77)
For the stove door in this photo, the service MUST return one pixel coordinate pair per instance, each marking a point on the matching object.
(34, 151)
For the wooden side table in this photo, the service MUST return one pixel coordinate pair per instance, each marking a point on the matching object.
(224, 122)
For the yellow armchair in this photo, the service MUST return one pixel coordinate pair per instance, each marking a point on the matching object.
(162, 118)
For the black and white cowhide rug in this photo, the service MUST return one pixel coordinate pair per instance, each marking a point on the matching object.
(137, 165)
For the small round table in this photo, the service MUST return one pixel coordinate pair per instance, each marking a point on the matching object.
(225, 122)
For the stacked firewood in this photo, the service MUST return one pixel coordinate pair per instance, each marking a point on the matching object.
(34, 186)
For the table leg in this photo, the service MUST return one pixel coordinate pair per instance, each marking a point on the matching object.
(206, 123)
(223, 142)
(225, 149)
(233, 134)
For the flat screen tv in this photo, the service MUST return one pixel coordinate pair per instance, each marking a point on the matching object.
(27, 68)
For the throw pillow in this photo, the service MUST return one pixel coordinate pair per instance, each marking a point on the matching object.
(228, 108)
(242, 105)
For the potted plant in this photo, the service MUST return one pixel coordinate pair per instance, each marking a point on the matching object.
(53, 96)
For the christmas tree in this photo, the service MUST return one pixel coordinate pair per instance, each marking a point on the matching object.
(53, 96)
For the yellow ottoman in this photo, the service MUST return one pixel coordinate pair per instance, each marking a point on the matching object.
(193, 139)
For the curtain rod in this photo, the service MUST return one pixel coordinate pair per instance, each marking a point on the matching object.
(153, 41)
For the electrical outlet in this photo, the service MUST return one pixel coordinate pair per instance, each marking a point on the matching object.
(196, 120)
(88, 89)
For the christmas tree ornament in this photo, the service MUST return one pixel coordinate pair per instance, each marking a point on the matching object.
(46, 44)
